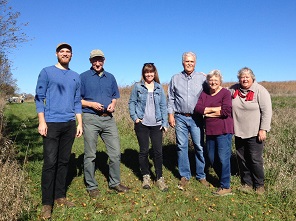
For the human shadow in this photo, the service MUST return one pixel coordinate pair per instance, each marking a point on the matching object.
(24, 133)
(234, 164)
(130, 158)
(75, 167)
(170, 159)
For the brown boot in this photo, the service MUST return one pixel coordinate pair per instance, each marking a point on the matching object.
(204, 182)
(46, 212)
(64, 202)
(183, 183)
(260, 190)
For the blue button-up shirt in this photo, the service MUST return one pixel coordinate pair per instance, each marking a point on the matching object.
(184, 91)
(102, 89)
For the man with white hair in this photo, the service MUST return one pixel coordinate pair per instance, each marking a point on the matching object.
(183, 92)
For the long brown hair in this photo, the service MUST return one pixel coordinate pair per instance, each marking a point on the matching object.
(150, 67)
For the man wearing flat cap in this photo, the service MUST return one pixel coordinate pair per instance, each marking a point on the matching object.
(58, 102)
(99, 93)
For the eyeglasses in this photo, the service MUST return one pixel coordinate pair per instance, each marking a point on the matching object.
(148, 64)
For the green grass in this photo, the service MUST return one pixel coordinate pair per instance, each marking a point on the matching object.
(197, 203)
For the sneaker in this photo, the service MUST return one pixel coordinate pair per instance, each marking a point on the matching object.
(93, 193)
(146, 182)
(64, 202)
(161, 184)
(183, 183)
(246, 189)
(46, 212)
(260, 190)
(204, 182)
(222, 192)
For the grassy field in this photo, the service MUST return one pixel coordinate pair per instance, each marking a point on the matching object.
(197, 203)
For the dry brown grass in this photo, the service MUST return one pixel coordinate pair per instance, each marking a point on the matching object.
(275, 88)
(280, 151)
(286, 88)
(13, 188)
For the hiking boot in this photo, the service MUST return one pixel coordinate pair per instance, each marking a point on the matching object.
(64, 202)
(183, 183)
(161, 184)
(246, 189)
(204, 182)
(260, 190)
(146, 182)
(46, 212)
(93, 193)
(120, 188)
(222, 191)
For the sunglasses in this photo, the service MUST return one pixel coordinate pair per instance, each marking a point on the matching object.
(148, 64)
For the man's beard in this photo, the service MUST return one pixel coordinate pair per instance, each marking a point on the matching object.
(64, 61)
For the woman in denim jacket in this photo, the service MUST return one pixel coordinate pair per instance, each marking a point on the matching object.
(148, 110)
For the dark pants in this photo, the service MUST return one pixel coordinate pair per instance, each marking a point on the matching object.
(155, 134)
(250, 161)
(57, 147)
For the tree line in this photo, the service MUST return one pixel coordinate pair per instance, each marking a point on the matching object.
(11, 37)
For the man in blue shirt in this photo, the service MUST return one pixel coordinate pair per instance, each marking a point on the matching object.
(99, 93)
(58, 101)
(183, 92)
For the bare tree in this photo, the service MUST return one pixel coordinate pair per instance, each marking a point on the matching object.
(11, 35)
(10, 30)
(8, 84)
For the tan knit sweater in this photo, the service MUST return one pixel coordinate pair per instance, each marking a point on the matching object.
(251, 116)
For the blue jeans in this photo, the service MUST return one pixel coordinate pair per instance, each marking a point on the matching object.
(250, 161)
(155, 134)
(57, 146)
(219, 153)
(184, 126)
(94, 125)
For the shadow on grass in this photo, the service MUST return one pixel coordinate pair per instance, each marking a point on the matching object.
(24, 133)
(130, 158)
(76, 166)
(170, 159)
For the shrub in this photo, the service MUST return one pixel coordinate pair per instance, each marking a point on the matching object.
(13, 187)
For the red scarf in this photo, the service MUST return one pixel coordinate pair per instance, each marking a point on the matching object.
(249, 96)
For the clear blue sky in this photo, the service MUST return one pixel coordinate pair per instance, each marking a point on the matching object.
(225, 35)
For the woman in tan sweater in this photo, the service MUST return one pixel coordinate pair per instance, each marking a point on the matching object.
(252, 111)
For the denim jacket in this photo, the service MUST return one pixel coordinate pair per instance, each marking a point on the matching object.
(138, 98)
